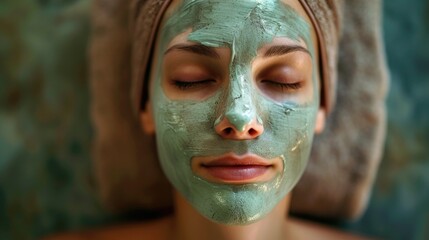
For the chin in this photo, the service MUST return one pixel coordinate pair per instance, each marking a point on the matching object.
(237, 204)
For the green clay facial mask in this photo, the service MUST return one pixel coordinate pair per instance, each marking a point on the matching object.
(186, 128)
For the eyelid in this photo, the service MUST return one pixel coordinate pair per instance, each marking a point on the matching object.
(189, 72)
(298, 62)
(290, 86)
(280, 78)
(280, 73)
(184, 85)
(174, 67)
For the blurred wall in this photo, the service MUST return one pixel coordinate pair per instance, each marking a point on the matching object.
(45, 170)
(46, 180)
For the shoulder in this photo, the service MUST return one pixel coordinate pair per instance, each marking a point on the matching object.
(157, 229)
(302, 229)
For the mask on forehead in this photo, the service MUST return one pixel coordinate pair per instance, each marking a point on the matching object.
(186, 128)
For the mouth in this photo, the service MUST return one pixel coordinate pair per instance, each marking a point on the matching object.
(233, 169)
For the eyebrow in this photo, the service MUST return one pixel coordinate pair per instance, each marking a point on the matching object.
(279, 50)
(194, 48)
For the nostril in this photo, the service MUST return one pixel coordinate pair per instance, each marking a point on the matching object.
(227, 131)
(252, 132)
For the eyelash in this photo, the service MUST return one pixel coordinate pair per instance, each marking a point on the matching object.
(182, 85)
(284, 86)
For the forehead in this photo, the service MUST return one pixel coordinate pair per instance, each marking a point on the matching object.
(235, 23)
(210, 5)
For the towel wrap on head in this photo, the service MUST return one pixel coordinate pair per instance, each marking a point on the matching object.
(345, 156)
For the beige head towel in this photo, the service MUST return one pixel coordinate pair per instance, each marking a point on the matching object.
(345, 156)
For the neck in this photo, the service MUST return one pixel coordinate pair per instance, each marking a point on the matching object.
(191, 225)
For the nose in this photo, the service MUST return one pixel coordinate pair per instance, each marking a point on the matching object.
(240, 121)
(227, 129)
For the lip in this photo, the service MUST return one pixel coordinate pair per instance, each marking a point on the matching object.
(233, 169)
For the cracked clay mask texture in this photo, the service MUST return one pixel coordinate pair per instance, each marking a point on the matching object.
(185, 128)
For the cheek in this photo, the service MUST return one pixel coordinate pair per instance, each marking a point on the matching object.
(290, 126)
(188, 123)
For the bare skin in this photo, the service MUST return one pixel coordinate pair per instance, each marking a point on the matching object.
(187, 224)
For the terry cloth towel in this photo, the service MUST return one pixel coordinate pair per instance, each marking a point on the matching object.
(345, 157)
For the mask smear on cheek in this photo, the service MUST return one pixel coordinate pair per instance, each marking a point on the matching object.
(185, 128)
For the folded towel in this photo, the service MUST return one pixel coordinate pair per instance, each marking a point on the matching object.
(345, 156)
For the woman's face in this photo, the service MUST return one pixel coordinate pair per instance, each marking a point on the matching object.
(234, 99)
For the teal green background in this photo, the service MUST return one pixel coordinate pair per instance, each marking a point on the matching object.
(46, 179)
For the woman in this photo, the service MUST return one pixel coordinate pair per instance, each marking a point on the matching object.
(235, 92)
(233, 104)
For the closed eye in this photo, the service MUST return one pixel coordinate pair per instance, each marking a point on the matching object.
(185, 85)
(284, 87)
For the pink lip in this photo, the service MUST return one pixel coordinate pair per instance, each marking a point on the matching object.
(234, 160)
(237, 173)
(233, 168)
